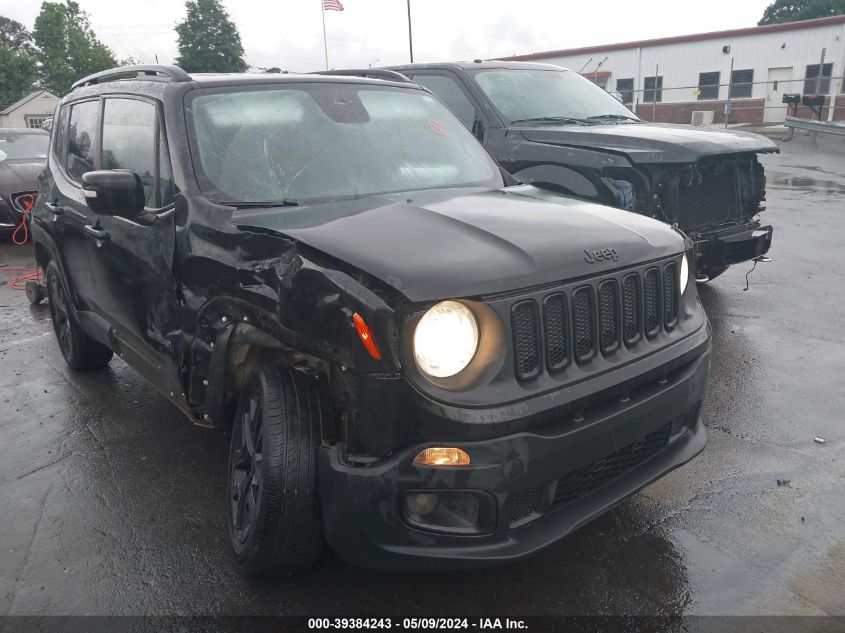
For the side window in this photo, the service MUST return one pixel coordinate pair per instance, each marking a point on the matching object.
(60, 134)
(81, 137)
(129, 141)
(448, 90)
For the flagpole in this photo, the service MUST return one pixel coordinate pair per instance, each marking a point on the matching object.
(410, 37)
(325, 45)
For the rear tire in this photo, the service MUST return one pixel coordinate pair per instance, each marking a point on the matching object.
(79, 350)
(274, 512)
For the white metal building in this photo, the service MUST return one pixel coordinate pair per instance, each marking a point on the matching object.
(672, 77)
(31, 111)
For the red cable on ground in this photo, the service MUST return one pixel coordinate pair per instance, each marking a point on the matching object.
(19, 283)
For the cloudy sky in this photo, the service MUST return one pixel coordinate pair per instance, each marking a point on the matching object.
(288, 33)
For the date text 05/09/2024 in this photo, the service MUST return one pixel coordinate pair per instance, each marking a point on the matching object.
(408, 624)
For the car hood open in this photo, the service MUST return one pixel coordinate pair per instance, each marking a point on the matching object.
(651, 142)
(469, 242)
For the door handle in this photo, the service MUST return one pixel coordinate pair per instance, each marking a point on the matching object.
(55, 209)
(96, 233)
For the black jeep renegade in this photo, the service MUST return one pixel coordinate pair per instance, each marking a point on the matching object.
(419, 363)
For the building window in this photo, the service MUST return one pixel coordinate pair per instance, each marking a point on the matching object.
(599, 80)
(35, 120)
(625, 87)
(708, 86)
(811, 76)
(742, 81)
(653, 89)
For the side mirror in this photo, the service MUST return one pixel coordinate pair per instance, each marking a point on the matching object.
(117, 192)
(618, 96)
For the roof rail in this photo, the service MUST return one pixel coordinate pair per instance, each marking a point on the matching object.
(373, 73)
(147, 71)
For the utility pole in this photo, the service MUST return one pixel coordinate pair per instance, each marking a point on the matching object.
(410, 35)
(325, 43)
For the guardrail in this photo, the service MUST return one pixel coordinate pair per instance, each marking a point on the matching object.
(814, 127)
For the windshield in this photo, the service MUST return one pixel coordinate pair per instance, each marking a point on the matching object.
(537, 95)
(24, 146)
(318, 142)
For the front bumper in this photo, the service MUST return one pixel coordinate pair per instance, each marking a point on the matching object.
(718, 249)
(546, 481)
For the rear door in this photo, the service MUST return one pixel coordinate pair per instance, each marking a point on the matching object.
(134, 268)
(74, 153)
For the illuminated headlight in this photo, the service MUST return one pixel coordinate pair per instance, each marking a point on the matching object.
(684, 273)
(446, 339)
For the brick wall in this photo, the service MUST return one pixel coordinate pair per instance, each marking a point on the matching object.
(742, 111)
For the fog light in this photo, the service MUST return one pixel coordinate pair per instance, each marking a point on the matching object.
(425, 503)
(450, 511)
(442, 456)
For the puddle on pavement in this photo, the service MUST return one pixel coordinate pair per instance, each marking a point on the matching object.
(801, 183)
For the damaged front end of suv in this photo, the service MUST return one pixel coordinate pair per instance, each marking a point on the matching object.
(710, 184)
(553, 128)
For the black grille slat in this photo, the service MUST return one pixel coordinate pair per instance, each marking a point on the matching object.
(526, 339)
(588, 479)
(631, 309)
(582, 323)
(670, 296)
(652, 302)
(556, 325)
(608, 316)
(523, 504)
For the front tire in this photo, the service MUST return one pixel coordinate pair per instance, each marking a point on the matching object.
(79, 350)
(274, 513)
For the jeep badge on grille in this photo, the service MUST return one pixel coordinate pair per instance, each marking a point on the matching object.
(603, 255)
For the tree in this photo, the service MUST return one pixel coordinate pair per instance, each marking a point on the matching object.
(17, 61)
(208, 40)
(794, 10)
(68, 49)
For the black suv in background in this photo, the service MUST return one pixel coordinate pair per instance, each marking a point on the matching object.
(551, 127)
(420, 363)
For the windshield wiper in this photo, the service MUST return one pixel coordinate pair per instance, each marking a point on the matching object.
(615, 117)
(554, 119)
(242, 204)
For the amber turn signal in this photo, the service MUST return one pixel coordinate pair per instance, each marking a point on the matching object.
(442, 456)
(366, 335)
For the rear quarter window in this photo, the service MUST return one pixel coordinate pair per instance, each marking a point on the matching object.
(81, 140)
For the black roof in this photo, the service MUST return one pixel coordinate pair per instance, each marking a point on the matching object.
(153, 79)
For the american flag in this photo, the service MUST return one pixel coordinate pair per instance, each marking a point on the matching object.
(332, 5)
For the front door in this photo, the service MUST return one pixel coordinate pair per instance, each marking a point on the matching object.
(134, 266)
(779, 82)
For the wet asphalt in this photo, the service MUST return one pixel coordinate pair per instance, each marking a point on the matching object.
(111, 502)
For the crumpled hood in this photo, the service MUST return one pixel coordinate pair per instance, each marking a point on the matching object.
(651, 142)
(19, 175)
(468, 242)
